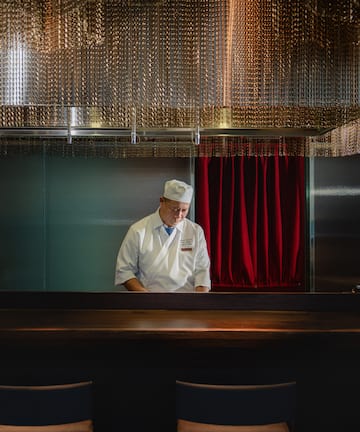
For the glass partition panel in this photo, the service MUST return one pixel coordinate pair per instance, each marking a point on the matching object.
(62, 219)
(22, 224)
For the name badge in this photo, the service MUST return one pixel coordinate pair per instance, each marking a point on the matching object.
(186, 245)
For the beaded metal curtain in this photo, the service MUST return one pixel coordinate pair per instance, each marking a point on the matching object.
(125, 78)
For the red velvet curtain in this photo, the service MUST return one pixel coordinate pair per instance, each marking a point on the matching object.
(252, 210)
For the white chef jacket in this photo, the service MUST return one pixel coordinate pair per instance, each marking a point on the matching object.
(162, 262)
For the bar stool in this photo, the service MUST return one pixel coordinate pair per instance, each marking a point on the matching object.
(53, 408)
(235, 408)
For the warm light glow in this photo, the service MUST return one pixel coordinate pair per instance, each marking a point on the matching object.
(16, 75)
(225, 118)
(239, 64)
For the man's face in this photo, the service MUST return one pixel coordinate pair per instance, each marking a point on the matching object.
(173, 212)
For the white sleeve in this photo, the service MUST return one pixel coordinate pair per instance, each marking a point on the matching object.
(127, 259)
(202, 263)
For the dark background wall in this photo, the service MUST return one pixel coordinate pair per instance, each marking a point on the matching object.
(62, 219)
(335, 198)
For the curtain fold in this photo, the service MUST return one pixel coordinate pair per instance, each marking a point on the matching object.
(252, 210)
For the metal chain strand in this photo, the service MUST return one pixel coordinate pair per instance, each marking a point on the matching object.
(161, 64)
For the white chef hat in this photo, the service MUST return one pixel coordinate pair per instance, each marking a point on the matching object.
(177, 190)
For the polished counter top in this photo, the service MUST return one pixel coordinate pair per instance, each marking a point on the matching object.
(209, 319)
(221, 325)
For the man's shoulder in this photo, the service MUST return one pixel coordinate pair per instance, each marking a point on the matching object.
(144, 222)
(189, 224)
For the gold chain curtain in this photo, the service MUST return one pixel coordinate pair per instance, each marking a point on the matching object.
(177, 64)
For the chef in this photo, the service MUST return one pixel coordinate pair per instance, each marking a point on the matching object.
(165, 251)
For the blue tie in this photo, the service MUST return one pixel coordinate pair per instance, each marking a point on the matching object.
(169, 230)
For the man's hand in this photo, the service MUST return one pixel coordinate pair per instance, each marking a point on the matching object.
(201, 288)
(134, 285)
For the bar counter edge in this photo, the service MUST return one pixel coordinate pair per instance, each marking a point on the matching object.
(341, 302)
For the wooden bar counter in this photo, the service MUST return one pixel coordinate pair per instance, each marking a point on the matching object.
(220, 330)
(212, 326)
(210, 320)
(134, 347)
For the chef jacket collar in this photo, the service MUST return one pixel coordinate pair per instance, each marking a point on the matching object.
(157, 221)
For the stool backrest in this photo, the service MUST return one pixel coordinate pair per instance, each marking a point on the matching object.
(236, 404)
(46, 405)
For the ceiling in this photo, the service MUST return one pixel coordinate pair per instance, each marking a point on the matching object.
(183, 69)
